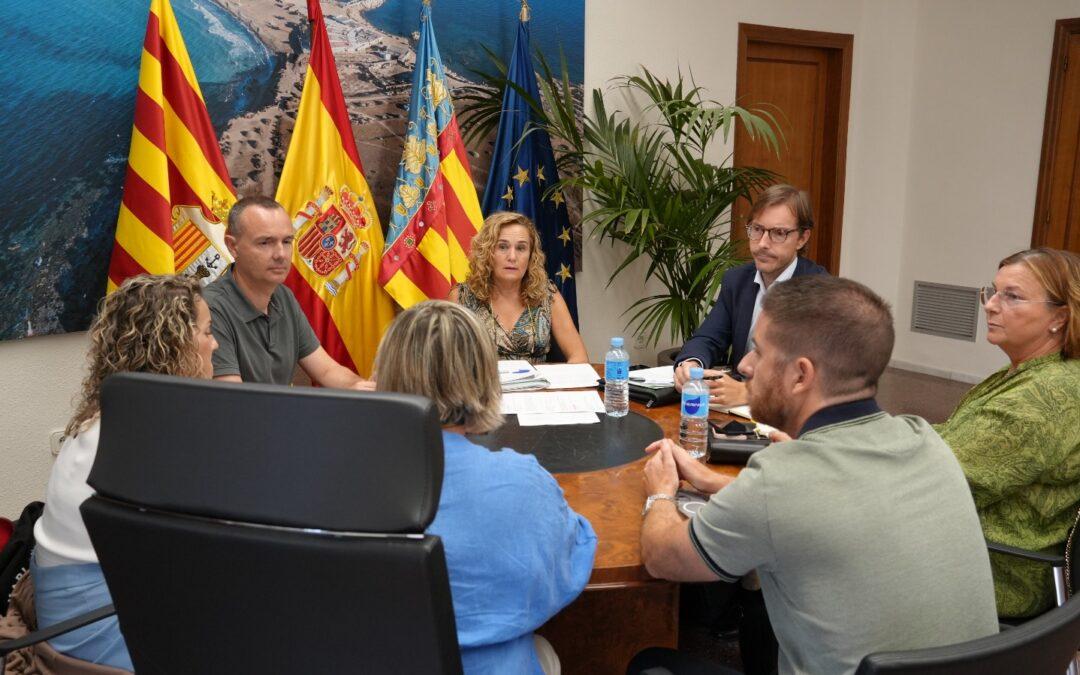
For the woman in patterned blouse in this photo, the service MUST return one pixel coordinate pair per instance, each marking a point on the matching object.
(510, 293)
(1017, 433)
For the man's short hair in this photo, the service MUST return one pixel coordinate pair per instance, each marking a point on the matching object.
(795, 199)
(843, 327)
(243, 204)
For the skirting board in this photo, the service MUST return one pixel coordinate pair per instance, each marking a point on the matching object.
(937, 372)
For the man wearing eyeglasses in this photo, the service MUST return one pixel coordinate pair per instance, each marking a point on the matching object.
(777, 228)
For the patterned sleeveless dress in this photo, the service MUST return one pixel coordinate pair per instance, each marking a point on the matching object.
(529, 339)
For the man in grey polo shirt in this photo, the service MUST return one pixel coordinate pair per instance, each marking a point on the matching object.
(261, 331)
(862, 531)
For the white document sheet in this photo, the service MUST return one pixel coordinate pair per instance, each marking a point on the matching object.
(654, 378)
(555, 419)
(568, 375)
(551, 402)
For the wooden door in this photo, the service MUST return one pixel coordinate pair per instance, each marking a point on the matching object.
(804, 79)
(1057, 205)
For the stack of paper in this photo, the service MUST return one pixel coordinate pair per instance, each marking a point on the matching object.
(520, 376)
(568, 375)
(660, 377)
(550, 408)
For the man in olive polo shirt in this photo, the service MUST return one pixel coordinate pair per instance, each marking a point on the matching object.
(261, 331)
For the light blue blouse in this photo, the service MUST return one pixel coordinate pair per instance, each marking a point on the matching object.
(515, 552)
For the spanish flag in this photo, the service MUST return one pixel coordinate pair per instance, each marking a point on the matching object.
(435, 212)
(338, 236)
(177, 191)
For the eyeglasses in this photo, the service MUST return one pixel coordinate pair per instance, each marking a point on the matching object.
(777, 235)
(1008, 298)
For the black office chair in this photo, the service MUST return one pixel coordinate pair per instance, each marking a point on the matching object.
(1046, 644)
(262, 529)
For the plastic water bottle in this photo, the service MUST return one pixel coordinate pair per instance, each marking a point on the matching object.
(694, 420)
(616, 380)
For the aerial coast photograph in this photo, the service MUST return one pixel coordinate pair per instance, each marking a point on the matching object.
(63, 173)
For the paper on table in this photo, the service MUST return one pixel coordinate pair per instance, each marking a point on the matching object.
(510, 371)
(551, 402)
(553, 419)
(568, 375)
(659, 377)
(743, 411)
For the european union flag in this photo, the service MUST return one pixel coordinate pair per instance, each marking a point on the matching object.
(521, 176)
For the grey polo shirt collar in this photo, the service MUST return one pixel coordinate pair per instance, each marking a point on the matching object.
(242, 306)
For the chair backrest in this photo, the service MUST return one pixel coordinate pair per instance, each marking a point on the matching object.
(1072, 565)
(1046, 644)
(256, 528)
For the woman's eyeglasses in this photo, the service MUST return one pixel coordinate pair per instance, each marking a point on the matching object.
(1008, 298)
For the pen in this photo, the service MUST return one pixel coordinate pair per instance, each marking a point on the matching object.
(714, 377)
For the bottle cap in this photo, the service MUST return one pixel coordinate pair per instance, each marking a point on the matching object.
(697, 373)
(617, 342)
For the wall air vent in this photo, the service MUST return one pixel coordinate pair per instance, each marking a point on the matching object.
(945, 311)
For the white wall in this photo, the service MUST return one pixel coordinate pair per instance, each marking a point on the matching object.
(39, 378)
(981, 75)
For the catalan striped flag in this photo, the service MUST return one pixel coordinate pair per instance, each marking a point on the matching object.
(435, 211)
(177, 191)
(338, 236)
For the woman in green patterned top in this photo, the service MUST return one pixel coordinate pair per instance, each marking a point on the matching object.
(1017, 433)
(510, 293)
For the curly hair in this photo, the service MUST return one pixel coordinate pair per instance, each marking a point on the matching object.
(481, 279)
(147, 326)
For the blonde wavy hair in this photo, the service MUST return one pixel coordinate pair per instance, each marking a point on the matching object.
(1058, 272)
(534, 286)
(146, 326)
(437, 349)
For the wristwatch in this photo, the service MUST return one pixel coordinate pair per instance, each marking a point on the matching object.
(653, 498)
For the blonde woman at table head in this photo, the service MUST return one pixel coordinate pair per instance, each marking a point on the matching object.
(150, 324)
(510, 293)
(1017, 433)
(515, 551)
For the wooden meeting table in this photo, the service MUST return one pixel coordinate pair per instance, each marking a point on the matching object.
(623, 610)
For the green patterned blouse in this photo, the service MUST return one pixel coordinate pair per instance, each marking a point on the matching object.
(1017, 436)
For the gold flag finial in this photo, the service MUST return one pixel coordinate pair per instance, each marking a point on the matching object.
(524, 16)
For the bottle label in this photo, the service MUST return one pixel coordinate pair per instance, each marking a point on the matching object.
(616, 370)
(695, 405)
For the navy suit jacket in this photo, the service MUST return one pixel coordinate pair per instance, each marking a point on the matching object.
(726, 329)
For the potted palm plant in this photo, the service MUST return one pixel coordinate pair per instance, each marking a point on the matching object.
(651, 182)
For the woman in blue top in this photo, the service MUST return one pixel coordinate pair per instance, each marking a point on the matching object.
(515, 551)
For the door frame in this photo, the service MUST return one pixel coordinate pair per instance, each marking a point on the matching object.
(1063, 30)
(842, 45)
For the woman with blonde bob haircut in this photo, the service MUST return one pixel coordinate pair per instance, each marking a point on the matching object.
(1017, 433)
(510, 293)
(515, 551)
(150, 324)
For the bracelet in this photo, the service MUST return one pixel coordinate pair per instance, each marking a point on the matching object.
(651, 499)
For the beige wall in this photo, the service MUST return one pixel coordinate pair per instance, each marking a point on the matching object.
(947, 104)
(39, 378)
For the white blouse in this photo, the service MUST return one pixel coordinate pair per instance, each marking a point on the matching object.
(61, 536)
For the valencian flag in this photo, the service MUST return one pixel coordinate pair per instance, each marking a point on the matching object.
(522, 175)
(338, 236)
(435, 212)
(177, 191)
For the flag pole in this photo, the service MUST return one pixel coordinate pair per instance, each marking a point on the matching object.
(525, 11)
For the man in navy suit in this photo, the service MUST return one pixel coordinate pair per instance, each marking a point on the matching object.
(778, 227)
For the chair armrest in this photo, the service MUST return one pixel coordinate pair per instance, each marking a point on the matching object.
(1047, 558)
(56, 629)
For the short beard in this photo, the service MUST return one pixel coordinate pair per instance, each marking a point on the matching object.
(767, 404)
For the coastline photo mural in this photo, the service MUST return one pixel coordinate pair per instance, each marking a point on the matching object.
(70, 76)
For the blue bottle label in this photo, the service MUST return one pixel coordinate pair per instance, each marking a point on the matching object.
(695, 405)
(616, 370)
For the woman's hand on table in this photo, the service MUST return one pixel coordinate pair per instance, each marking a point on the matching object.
(689, 469)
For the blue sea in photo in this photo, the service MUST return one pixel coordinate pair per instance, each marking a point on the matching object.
(69, 71)
(464, 27)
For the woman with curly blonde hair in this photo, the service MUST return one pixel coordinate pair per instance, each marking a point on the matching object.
(510, 293)
(151, 324)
